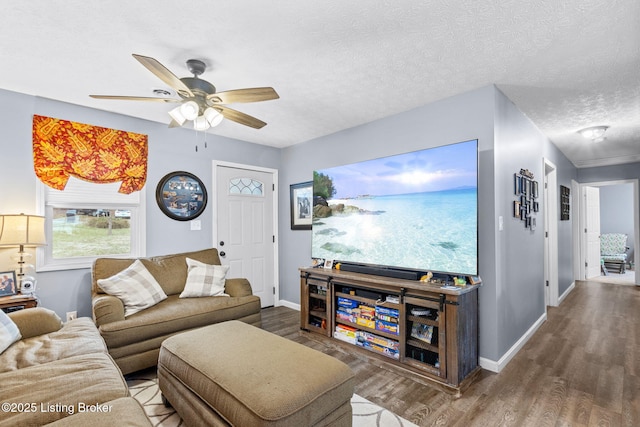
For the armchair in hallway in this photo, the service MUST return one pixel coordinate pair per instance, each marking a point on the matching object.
(613, 251)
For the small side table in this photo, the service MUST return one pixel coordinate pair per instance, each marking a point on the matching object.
(17, 302)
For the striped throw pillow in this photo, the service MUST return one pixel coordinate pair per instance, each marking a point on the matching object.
(9, 332)
(204, 280)
(136, 288)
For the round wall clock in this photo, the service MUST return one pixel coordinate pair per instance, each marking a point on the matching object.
(181, 196)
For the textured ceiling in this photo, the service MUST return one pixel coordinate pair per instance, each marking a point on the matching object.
(335, 64)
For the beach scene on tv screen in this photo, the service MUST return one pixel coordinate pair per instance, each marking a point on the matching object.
(414, 211)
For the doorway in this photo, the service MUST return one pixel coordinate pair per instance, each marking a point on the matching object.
(589, 253)
(245, 225)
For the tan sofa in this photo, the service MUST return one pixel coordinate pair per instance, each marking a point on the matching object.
(134, 342)
(62, 374)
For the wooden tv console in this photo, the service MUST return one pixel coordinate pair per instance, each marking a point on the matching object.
(420, 327)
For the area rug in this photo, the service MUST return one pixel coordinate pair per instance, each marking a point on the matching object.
(627, 278)
(144, 387)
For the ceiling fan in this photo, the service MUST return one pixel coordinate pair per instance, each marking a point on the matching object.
(199, 100)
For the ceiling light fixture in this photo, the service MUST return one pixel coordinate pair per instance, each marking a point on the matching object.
(191, 111)
(200, 102)
(594, 133)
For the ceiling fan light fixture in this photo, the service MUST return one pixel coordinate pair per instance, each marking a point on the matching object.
(190, 110)
(176, 114)
(594, 133)
(213, 117)
(200, 123)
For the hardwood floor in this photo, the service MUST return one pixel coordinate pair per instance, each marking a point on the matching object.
(581, 368)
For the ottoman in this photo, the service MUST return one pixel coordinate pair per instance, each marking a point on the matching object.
(232, 373)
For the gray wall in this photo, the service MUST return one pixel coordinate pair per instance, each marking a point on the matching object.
(520, 292)
(169, 150)
(510, 262)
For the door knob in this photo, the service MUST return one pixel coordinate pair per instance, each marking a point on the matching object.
(221, 243)
(222, 253)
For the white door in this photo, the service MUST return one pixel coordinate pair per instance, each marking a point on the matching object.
(546, 240)
(592, 231)
(550, 233)
(245, 227)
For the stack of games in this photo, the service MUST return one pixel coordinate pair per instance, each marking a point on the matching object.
(387, 320)
(366, 317)
(347, 310)
(346, 333)
(379, 344)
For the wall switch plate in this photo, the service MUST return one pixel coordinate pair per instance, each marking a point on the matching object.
(196, 224)
(500, 223)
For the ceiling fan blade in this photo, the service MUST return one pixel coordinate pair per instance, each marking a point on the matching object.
(238, 117)
(165, 75)
(135, 98)
(255, 94)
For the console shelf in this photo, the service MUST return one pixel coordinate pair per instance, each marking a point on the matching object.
(425, 329)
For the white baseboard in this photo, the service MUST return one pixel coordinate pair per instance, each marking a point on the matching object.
(493, 366)
(291, 305)
(566, 293)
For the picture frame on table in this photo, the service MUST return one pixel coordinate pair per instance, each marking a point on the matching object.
(301, 201)
(328, 264)
(181, 196)
(8, 283)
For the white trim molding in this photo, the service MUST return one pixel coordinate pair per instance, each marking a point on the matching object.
(567, 292)
(289, 304)
(493, 366)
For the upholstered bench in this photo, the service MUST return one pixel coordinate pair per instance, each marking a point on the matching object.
(233, 373)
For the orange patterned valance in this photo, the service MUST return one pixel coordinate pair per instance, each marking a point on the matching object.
(62, 148)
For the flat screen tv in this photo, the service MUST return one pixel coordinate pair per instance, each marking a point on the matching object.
(415, 212)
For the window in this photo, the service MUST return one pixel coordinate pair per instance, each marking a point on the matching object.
(88, 220)
(245, 186)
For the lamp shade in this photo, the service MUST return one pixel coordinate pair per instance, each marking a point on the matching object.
(176, 114)
(213, 117)
(22, 230)
(200, 123)
(190, 110)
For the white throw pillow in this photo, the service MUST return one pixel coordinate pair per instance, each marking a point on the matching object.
(204, 280)
(135, 286)
(9, 332)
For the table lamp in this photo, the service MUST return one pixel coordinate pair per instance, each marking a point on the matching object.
(23, 231)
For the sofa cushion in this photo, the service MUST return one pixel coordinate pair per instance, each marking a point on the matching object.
(9, 332)
(169, 270)
(120, 412)
(204, 280)
(80, 380)
(135, 286)
(174, 315)
(77, 337)
(36, 321)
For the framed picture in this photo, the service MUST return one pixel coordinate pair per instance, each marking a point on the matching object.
(181, 196)
(301, 205)
(328, 263)
(8, 285)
